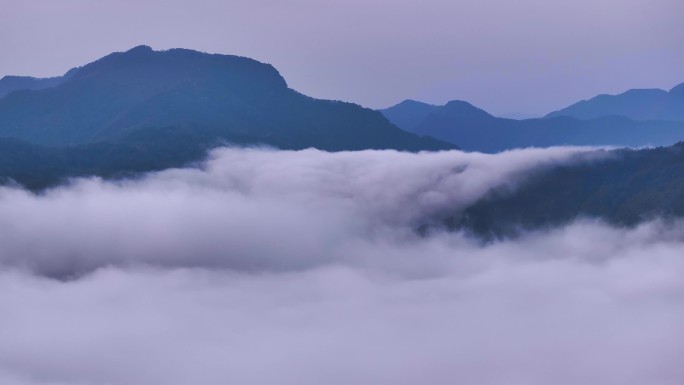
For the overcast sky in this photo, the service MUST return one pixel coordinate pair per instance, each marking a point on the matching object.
(524, 56)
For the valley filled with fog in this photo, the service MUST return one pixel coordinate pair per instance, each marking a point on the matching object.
(307, 267)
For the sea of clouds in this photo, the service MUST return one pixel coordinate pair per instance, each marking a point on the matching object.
(305, 267)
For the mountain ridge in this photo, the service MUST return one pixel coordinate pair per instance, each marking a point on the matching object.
(123, 92)
(476, 130)
(12, 83)
(625, 189)
(636, 104)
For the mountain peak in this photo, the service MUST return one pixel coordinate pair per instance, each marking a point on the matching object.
(678, 90)
(140, 48)
(204, 98)
(167, 68)
(140, 51)
(409, 113)
(411, 102)
(464, 109)
(459, 104)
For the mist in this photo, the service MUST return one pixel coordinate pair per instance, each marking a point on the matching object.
(305, 267)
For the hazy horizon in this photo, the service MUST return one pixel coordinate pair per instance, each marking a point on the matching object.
(526, 58)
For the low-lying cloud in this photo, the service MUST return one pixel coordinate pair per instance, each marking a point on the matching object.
(250, 210)
(305, 268)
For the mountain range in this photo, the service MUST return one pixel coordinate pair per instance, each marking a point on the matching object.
(242, 101)
(473, 129)
(626, 188)
(236, 98)
(636, 104)
(144, 110)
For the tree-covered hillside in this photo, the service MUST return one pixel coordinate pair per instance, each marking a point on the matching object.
(126, 92)
(626, 187)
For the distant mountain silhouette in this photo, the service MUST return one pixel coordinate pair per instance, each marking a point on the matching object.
(475, 130)
(637, 104)
(9, 84)
(233, 98)
(409, 114)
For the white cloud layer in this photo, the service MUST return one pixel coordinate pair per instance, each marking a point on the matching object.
(254, 209)
(303, 268)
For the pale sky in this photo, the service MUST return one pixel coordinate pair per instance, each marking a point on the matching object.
(523, 56)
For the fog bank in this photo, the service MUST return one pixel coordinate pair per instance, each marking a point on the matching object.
(303, 267)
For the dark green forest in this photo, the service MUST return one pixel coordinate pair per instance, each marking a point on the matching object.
(624, 188)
